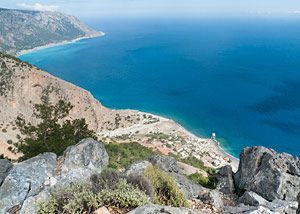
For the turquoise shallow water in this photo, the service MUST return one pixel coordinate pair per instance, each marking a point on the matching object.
(239, 78)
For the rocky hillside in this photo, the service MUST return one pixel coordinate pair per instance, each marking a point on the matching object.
(23, 30)
(22, 85)
(266, 182)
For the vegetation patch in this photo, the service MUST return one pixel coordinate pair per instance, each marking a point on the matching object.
(122, 155)
(50, 135)
(209, 182)
(109, 188)
(166, 191)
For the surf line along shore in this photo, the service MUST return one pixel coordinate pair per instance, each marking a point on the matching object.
(22, 52)
(167, 136)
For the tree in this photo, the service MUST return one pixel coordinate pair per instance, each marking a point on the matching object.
(53, 133)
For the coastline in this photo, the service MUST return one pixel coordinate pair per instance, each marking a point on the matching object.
(214, 144)
(220, 150)
(212, 149)
(22, 52)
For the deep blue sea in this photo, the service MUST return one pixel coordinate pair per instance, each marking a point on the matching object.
(237, 77)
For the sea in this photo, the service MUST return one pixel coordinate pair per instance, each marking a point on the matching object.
(236, 77)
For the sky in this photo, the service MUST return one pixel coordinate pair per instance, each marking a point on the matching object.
(86, 8)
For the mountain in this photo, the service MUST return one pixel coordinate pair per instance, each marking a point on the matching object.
(24, 30)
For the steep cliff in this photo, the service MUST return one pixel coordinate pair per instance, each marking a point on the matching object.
(23, 30)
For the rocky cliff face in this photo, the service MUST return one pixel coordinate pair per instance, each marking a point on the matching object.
(23, 30)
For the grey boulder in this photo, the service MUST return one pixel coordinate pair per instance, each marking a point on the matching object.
(225, 183)
(269, 174)
(156, 209)
(190, 188)
(165, 163)
(212, 198)
(5, 167)
(79, 162)
(137, 167)
(26, 179)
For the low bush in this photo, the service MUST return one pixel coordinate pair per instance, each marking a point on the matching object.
(123, 195)
(166, 191)
(80, 199)
(209, 182)
(109, 178)
(70, 200)
(122, 155)
(142, 183)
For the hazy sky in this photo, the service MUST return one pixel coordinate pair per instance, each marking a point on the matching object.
(159, 7)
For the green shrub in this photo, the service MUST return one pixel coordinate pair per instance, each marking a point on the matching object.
(4, 130)
(80, 199)
(122, 155)
(108, 179)
(70, 200)
(209, 182)
(123, 196)
(142, 183)
(166, 191)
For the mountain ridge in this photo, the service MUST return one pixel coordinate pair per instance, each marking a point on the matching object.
(23, 30)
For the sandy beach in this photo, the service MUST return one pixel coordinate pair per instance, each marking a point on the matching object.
(206, 149)
(58, 43)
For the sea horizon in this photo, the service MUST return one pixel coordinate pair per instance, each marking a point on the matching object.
(235, 78)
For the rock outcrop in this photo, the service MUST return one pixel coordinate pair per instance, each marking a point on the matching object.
(79, 162)
(165, 163)
(269, 174)
(225, 183)
(190, 188)
(26, 179)
(156, 209)
(5, 167)
(30, 181)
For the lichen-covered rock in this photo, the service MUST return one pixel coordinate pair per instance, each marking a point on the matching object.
(137, 167)
(165, 163)
(269, 174)
(252, 199)
(5, 167)
(26, 179)
(156, 209)
(225, 183)
(79, 162)
(212, 198)
(30, 205)
(190, 188)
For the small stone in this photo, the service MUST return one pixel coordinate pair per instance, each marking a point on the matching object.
(102, 210)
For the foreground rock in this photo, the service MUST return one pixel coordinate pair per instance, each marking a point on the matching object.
(5, 167)
(225, 183)
(79, 162)
(269, 174)
(190, 188)
(156, 209)
(29, 182)
(25, 180)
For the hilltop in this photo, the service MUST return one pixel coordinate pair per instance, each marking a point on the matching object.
(23, 30)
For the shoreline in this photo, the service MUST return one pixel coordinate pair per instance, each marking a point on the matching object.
(22, 52)
(170, 127)
(215, 142)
